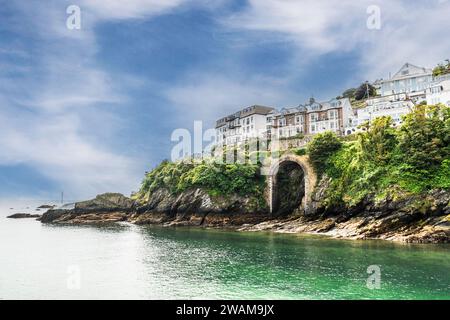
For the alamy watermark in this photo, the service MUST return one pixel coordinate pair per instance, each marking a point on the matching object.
(374, 19)
(73, 21)
(210, 145)
(73, 281)
(374, 280)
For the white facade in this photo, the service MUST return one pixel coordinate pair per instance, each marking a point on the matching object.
(394, 106)
(409, 79)
(311, 118)
(398, 95)
(242, 125)
(439, 92)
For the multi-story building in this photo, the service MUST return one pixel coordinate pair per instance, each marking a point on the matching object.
(242, 125)
(311, 118)
(396, 97)
(409, 79)
(439, 92)
(395, 106)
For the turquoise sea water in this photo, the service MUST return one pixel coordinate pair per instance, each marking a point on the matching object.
(138, 262)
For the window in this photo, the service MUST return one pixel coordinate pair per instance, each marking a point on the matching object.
(436, 89)
(332, 114)
(313, 117)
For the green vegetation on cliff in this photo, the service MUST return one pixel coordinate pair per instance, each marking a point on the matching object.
(442, 68)
(384, 160)
(215, 178)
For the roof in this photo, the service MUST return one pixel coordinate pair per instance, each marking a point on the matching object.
(409, 70)
(255, 109)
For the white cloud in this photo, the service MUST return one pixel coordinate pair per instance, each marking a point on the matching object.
(204, 96)
(410, 31)
(119, 9)
(43, 107)
(54, 145)
(45, 104)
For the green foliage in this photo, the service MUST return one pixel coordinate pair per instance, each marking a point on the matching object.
(385, 161)
(378, 141)
(442, 68)
(349, 93)
(424, 138)
(299, 151)
(364, 90)
(442, 177)
(321, 147)
(216, 178)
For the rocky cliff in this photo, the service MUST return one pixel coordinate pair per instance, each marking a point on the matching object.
(193, 207)
(423, 218)
(108, 207)
(410, 218)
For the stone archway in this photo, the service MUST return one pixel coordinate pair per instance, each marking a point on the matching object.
(309, 179)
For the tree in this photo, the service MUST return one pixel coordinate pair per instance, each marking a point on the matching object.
(321, 148)
(364, 91)
(424, 138)
(349, 93)
(379, 141)
(442, 68)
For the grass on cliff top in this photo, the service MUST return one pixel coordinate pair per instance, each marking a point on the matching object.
(384, 160)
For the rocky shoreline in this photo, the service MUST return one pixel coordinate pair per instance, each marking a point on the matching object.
(413, 219)
(23, 216)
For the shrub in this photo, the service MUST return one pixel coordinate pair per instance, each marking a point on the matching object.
(321, 147)
(424, 137)
(216, 178)
(378, 141)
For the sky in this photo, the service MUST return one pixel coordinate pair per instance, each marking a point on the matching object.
(89, 110)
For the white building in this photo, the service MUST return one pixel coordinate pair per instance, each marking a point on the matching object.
(398, 95)
(242, 125)
(409, 79)
(395, 106)
(439, 92)
(309, 119)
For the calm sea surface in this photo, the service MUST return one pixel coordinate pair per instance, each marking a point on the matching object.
(136, 262)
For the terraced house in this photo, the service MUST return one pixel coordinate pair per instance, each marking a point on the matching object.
(243, 125)
(396, 97)
(309, 119)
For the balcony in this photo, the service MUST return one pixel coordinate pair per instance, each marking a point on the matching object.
(233, 126)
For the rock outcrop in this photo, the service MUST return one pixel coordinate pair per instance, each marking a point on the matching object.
(46, 206)
(421, 218)
(108, 207)
(196, 207)
(23, 216)
(193, 207)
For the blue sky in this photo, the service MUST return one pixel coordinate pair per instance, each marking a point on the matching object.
(90, 110)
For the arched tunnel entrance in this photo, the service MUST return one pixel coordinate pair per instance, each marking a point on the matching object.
(290, 188)
(290, 185)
